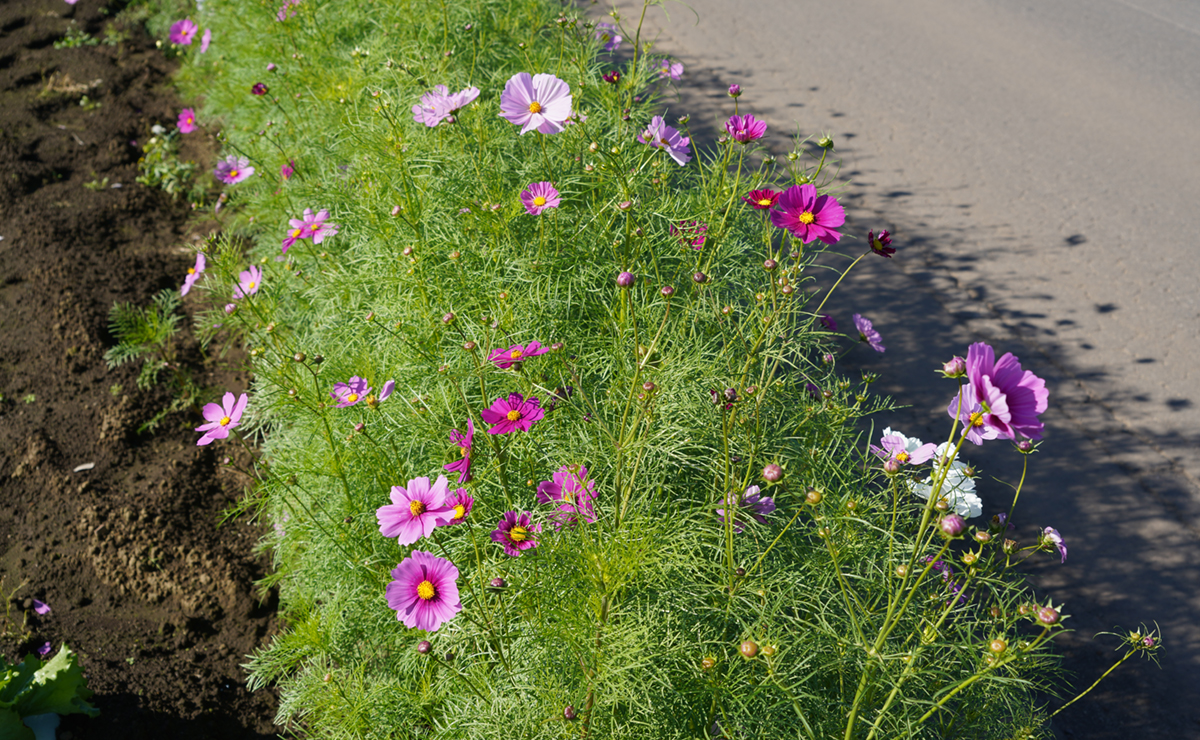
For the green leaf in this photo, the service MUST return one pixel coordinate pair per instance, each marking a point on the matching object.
(58, 686)
(11, 727)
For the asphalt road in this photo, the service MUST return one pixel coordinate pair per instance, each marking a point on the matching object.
(1039, 165)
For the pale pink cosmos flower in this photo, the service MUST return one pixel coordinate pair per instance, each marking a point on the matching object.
(187, 121)
(541, 102)
(461, 99)
(659, 135)
(182, 32)
(573, 492)
(415, 511)
(745, 129)
(867, 333)
(193, 274)
(249, 281)
(750, 504)
(205, 40)
(1052, 540)
(424, 591)
(904, 450)
(433, 107)
(233, 169)
(349, 393)
(669, 70)
(808, 216)
(221, 418)
(287, 10)
(516, 532)
(386, 391)
(606, 33)
(538, 197)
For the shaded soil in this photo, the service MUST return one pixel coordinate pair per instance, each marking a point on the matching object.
(143, 583)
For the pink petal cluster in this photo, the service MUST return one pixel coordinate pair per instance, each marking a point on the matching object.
(516, 532)
(205, 40)
(541, 102)
(287, 170)
(506, 358)
(249, 281)
(182, 32)
(750, 503)
(1002, 397)
(424, 591)
(538, 197)
(351, 392)
(514, 412)
(690, 233)
(187, 121)
(669, 70)
(233, 169)
(287, 10)
(313, 226)
(661, 136)
(905, 451)
(867, 333)
(808, 216)
(460, 504)
(439, 104)
(882, 244)
(194, 274)
(606, 33)
(745, 129)
(221, 418)
(462, 466)
(573, 492)
(415, 511)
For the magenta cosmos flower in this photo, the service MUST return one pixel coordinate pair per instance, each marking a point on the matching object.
(415, 511)
(193, 274)
(538, 197)
(572, 491)
(867, 333)
(349, 393)
(882, 244)
(661, 136)
(259, 88)
(750, 504)
(541, 102)
(1009, 398)
(424, 591)
(460, 504)
(187, 121)
(233, 169)
(506, 358)
(808, 216)
(287, 170)
(669, 70)
(440, 105)
(249, 281)
(690, 233)
(514, 412)
(516, 533)
(182, 32)
(205, 40)
(221, 418)
(462, 466)
(606, 33)
(762, 199)
(745, 129)
(316, 226)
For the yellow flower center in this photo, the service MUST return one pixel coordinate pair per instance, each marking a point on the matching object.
(764, 202)
(466, 452)
(902, 457)
(518, 534)
(297, 232)
(426, 590)
(515, 354)
(976, 419)
(535, 107)
(191, 271)
(539, 201)
(460, 511)
(513, 415)
(807, 217)
(664, 142)
(225, 421)
(352, 398)
(233, 173)
(251, 285)
(416, 507)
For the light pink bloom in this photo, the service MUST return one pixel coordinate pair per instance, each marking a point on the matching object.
(808, 216)
(316, 226)
(541, 102)
(572, 491)
(182, 32)
(386, 392)
(538, 197)
(233, 169)
(971, 416)
(415, 511)
(671, 70)
(287, 10)
(205, 40)
(433, 107)
(221, 418)
(349, 393)
(660, 135)
(249, 281)
(516, 532)
(904, 450)
(424, 591)
(187, 121)
(193, 274)
(750, 503)
(606, 33)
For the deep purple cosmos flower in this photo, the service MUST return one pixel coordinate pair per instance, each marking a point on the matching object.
(690, 233)
(541, 102)
(287, 170)
(287, 10)
(516, 533)
(258, 88)
(194, 274)
(745, 129)
(205, 40)
(1052, 540)
(669, 70)
(233, 169)
(573, 492)
(506, 358)
(538, 197)
(187, 121)
(751, 504)
(47, 648)
(882, 244)
(460, 504)
(606, 33)
(904, 450)
(349, 393)
(514, 412)
(249, 281)
(182, 32)
(808, 216)
(867, 333)
(661, 136)
(221, 418)
(1008, 397)
(612, 77)
(762, 199)
(424, 591)
(415, 511)
(462, 466)
(828, 322)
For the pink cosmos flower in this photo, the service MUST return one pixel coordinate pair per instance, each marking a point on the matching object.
(205, 40)
(606, 33)
(904, 450)
(506, 358)
(762, 199)
(659, 135)
(461, 99)
(386, 392)
(462, 466)
(424, 591)
(867, 333)
(287, 170)
(538, 197)
(221, 418)
(460, 505)
(1009, 398)
(1052, 540)
(187, 121)
(259, 88)
(882, 245)
(669, 70)
(193, 274)
(349, 393)
(514, 412)
(316, 226)
(249, 281)
(516, 533)
(41, 607)
(745, 129)
(749, 503)
(433, 107)
(690, 233)
(541, 102)
(808, 216)
(233, 169)
(182, 32)
(46, 649)
(415, 511)
(287, 10)
(573, 492)
(971, 416)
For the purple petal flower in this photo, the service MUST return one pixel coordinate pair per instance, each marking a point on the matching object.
(538, 197)
(287, 10)
(182, 32)
(205, 40)
(259, 88)
(221, 418)
(349, 393)
(424, 591)
(45, 649)
(249, 281)
(1009, 397)
(749, 503)
(541, 102)
(41, 607)
(882, 244)
(506, 358)
(287, 170)
(745, 129)
(233, 169)
(606, 33)
(828, 322)
(462, 466)
(460, 505)
(514, 412)
(573, 492)
(669, 70)
(387, 389)
(193, 274)
(971, 416)
(808, 216)
(415, 511)
(1052, 540)
(904, 450)
(516, 532)
(661, 136)
(867, 333)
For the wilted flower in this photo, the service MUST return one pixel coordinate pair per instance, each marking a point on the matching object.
(659, 135)
(745, 129)
(514, 412)
(762, 199)
(506, 358)
(538, 197)
(424, 591)
(749, 503)
(606, 33)
(249, 281)
(462, 466)
(882, 244)
(572, 491)
(233, 169)
(182, 32)
(193, 274)
(516, 532)
(415, 511)
(541, 102)
(45, 650)
(221, 418)
(349, 393)
(808, 216)
(867, 333)
(187, 121)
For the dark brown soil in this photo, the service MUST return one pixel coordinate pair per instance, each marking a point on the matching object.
(154, 595)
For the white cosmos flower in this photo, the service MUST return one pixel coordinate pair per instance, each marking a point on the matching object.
(958, 489)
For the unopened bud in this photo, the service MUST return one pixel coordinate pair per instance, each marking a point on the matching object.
(892, 466)
(625, 205)
(648, 386)
(772, 473)
(770, 265)
(708, 663)
(1025, 445)
(997, 646)
(1010, 546)
(735, 90)
(299, 357)
(730, 395)
(469, 346)
(740, 572)
(1047, 615)
(956, 367)
(448, 318)
(983, 537)
(498, 583)
(667, 291)
(424, 646)
(813, 497)
(748, 649)
(953, 525)
(569, 713)
(625, 279)
(825, 142)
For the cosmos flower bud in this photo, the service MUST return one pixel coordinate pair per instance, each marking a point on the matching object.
(735, 90)
(901, 571)
(360, 426)
(299, 357)
(748, 649)
(683, 120)
(469, 345)
(625, 205)
(825, 142)
(271, 67)
(827, 358)
(740, 572)
(772, 473)
(667, 291)
(424, 646)
(983, 537)
(730, 395)
(1047, 615)
(448, 318)
(1025, 445)
(813, 497)
(770, 265)
(498, 583)
(708, 663)
(997, 646)
(230, 308)
(891, 467)
(956, 367)
(1148, 641)
(699, 278)
(625, 279)
(953, 525)
(569, 713)
(1010, 546)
